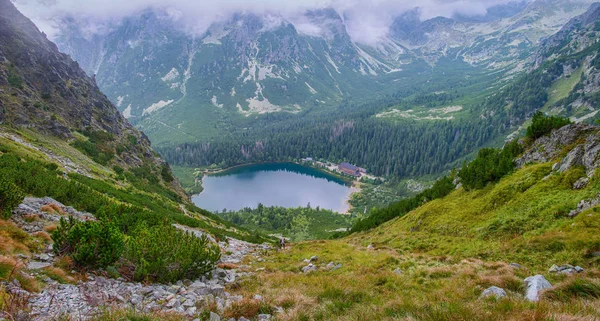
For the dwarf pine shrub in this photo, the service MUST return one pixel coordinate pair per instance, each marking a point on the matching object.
(10, 197)
(95, 244)
(165, 254)
(542, 125)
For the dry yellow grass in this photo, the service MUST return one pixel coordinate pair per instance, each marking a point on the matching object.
(13, 239)
(52, 208)
(429, 287)
(50, 228)
(43, 236)
(58, 274)
(227, 266)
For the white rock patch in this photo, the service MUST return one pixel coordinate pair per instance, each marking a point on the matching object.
(171, 75)
(156, 106)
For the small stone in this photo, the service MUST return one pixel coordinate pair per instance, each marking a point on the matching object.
(43, 257)
(313, 258)
(22, 256)
(516, 265)
(534, 285)
(173, 303)
(191, 311)
(189, 303)
(579, 269)
(596, 254)
(214, 317)
(264, 317)
(493, 291)
(330, 265)
(309, 268)
(397, 271)
(217, 289)
(370, 247)
(34, 265)
(243, 319)
(554, 269)
(257, 297)
(568, 271)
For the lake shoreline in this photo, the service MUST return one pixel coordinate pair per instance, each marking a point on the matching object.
(307, 164)
(352, 184)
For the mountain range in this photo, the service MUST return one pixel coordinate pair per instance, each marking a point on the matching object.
(173, 84)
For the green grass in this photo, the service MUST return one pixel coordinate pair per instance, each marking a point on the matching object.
(522, 218)
(429, 287)
(563, 87)
(188, 181)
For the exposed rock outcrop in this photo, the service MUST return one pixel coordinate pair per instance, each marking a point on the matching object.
(582, 143)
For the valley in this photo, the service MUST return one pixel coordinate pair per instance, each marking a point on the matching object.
(287, 161)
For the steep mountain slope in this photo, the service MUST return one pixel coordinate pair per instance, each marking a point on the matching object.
(562, 80)
(45, 91)
(60, 137)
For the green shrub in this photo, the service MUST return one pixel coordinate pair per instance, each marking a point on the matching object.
(95, 244)
(13, 78)
(490, 165)
(91, 149)
(118, 169)
(165, 172)
(542, 125)
(440, 188)
(10, 196)
(164, 254)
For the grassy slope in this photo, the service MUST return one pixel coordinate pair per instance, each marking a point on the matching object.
(449, 251)
(522, 219)
(186, 177)
(104, 181)
(563, 87)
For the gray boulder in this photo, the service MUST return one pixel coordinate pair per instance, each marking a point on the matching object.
(493, 291)
(565, 269)
(534, 285)
(214, 317)
(581, 183)
(309, 268)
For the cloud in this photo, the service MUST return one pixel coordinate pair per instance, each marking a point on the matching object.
(367, 21)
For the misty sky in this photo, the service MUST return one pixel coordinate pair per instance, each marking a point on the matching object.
(367, 21)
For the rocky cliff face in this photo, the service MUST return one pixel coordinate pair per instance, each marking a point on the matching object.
(45, 90)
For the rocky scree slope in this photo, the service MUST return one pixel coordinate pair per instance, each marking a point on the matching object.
(86, 296)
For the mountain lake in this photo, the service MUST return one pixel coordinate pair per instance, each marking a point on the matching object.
(273, 184)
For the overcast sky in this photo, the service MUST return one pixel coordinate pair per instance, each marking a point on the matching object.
(367, 20)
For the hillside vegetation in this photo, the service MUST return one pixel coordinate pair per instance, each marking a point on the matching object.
(434, 262)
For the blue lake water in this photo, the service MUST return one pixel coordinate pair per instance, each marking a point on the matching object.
(273, 184)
